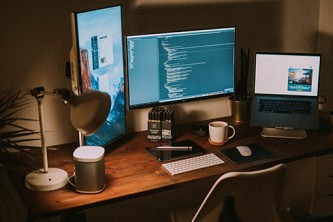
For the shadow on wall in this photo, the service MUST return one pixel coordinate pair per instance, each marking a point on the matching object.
(256, 22)
(325, 47)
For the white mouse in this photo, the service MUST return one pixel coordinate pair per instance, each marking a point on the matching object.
(244, 150)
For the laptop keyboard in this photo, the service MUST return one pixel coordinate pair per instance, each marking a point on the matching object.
(285, 106)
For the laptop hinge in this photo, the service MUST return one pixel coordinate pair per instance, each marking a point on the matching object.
(284, 132)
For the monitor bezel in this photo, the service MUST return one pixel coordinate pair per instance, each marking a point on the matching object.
(178, 101)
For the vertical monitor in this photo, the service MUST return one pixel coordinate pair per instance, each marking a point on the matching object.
(182, 66)
(97, 60)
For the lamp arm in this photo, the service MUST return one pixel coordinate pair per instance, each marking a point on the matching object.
(44, 179)
(83, 118)
(65, 94)
(39, 93)
(42, 134)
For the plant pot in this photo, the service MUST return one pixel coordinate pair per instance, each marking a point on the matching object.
(240, 110)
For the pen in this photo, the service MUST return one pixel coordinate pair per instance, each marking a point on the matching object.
(174, 148)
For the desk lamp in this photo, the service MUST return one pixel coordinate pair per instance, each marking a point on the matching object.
(88, 112)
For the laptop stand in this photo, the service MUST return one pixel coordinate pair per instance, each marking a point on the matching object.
(289, 133)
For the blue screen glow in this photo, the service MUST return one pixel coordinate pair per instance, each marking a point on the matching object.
(100, 49)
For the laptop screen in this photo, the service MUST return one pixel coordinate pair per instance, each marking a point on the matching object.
(287, 74)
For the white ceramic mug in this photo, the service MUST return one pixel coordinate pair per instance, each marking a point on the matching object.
(218, 132)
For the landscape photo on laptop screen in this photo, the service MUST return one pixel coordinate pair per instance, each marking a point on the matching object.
(300, 79)
(101, 62)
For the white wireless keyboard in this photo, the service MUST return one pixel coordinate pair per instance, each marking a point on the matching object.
(192, 163)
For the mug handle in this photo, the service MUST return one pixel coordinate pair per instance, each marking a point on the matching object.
(233, 134)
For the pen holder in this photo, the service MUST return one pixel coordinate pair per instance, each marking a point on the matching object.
(154, 124)
(161, 125)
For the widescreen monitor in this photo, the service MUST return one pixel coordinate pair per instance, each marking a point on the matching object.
(97, 62)
(181, 66)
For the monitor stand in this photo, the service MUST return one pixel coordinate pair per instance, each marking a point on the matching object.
(284, 133)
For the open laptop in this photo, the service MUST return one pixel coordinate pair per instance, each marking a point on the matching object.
(285, 99)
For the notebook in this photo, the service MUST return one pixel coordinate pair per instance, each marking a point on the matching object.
(286, 91)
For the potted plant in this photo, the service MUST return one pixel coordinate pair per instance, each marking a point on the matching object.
(14, 137)
(241, 101)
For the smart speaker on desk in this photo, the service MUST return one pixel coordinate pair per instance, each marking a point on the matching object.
(89, 169)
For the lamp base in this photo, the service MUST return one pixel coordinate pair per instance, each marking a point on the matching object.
(54, 179)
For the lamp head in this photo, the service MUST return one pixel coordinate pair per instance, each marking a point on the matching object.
(89, 110)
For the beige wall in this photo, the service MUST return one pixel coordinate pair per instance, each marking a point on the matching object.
(36, 40)
(325, 47)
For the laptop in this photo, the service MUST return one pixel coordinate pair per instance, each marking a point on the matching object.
(285, 98)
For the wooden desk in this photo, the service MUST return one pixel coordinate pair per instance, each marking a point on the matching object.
(131, 171)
